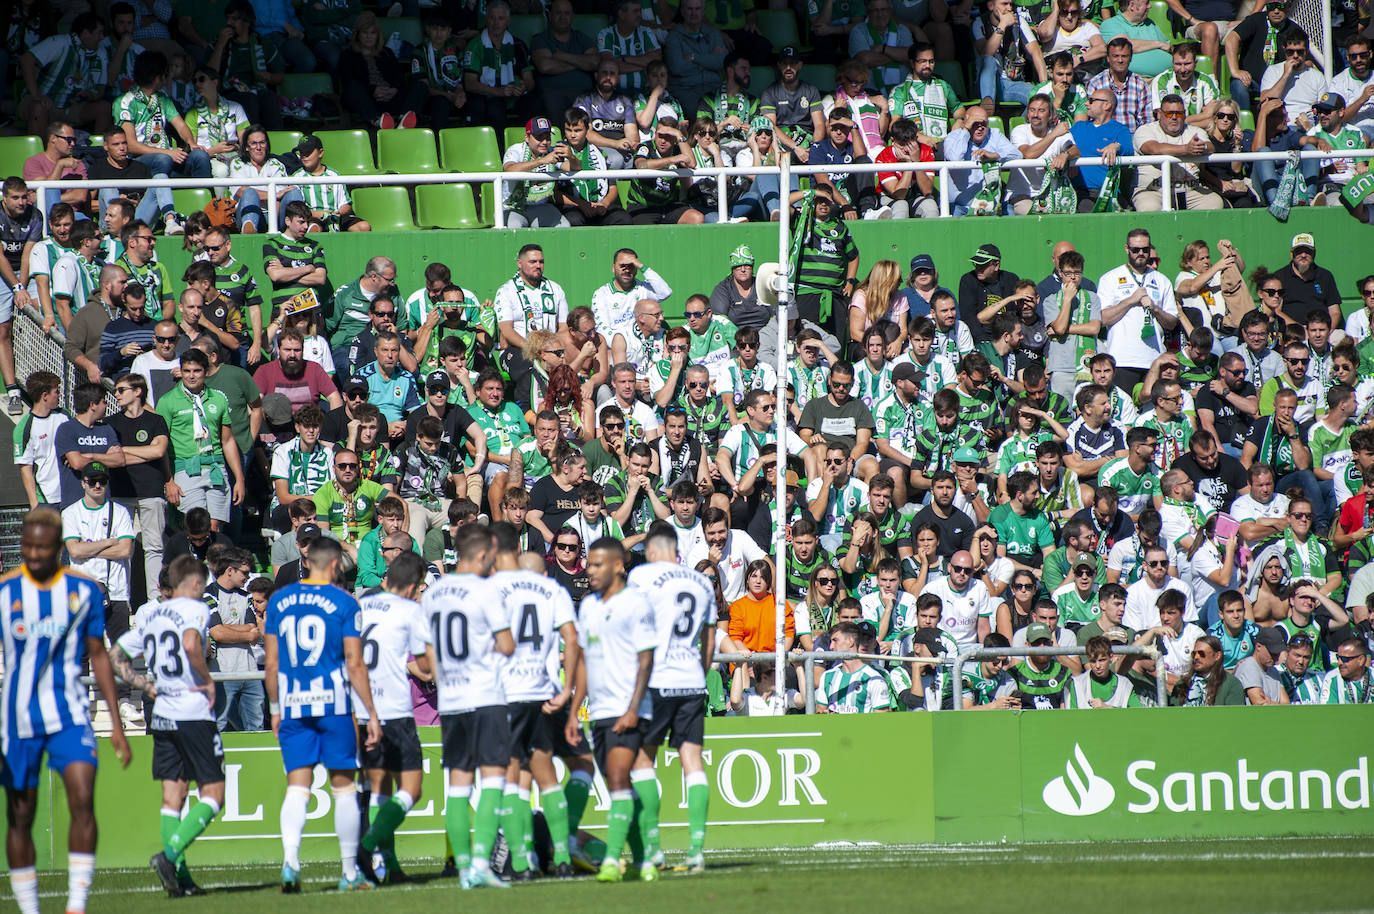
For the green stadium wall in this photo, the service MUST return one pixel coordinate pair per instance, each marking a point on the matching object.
(888, 779)
(694, 258)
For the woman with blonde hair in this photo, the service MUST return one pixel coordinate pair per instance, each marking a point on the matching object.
(879, 298)
(1211, 292)
(377, 88)
(544, 351)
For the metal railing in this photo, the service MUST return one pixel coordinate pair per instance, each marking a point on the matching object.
(34, 350)
(990, 653)
(498, 179)
(808, 660)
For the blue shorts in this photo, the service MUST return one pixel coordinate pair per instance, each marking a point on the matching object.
(329, 741)
(23, 757)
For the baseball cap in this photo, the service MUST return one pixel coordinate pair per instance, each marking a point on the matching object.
(308, 533)
(1038, 631)
(538, 126)
(986, 253)
(788, 52)
(355, 383)
(308, 144)
(1274, 639)
(967, 454)
(1304, 240)
(905, 371)
(761, 124)
(922, 262)
(1330, 101)
(1085, 558)
(96, 470)
(791, 479)
(276, 408)
(930, 637)
(438, 380)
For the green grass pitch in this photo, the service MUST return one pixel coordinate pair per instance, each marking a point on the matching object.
(1216, 876)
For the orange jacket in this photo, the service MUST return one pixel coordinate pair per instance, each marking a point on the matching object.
(752, 623)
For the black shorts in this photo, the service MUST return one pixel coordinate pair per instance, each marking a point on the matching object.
(887, 465)
(558, 724)
(348, 220)
(399, 749)
(476, 739)
(604, 739)
(663, 214)
(684, 717)
(187, 750)
(529, 730)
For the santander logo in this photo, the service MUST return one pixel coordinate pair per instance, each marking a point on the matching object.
(1079, 792)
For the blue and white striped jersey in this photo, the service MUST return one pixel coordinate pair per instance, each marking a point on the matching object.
(310, 619)
(46, 627)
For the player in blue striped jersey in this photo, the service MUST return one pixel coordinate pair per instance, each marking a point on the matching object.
(314, 653)
(53, 620)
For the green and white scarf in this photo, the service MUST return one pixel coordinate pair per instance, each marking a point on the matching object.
(1308, 560)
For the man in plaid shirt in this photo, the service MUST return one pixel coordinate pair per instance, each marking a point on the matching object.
(1132, 92)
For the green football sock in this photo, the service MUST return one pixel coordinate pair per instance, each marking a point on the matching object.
(618, 822)
(387, 819)
(698, 799)
(646, 791)
(195, 822)
(555, 803)
(635, 837)
(577, 792)
(528, 812)
(485, 823)
(513, 824)
(458, 826)
(170, 821)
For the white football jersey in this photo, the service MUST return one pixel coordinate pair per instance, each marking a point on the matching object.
(684, 602)
(393, 630)
(612, 634)
(464, 616)
(536, 608)
(157, 636)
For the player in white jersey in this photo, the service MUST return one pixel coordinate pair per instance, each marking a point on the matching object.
(170, 637)
(684, 603)
(314, 670)
(539, 611)
(616, 632)
(54, 620)
(470, 629)
(393, 631)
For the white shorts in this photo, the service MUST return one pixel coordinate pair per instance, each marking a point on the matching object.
(6, 303)
(199, 492)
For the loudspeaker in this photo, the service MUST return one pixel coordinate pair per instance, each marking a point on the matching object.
(766, 280)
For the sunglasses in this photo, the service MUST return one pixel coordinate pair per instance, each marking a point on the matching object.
(345, 466)
(1225, 116)
(1295, 361)
(743, 346)
(835, 462)
(768, 407)
(557, 352)
(1135, 250)
(698, 385)
(165, 339)
(96, 483)
(356, 395)
(842, 128)
(613, 426)
(391, 314)
(677, 348)
(693, 315)
(1022, 586)
(827, 582)
(964, 569)
(1157, 564)
(566, 547)
(1301, 515)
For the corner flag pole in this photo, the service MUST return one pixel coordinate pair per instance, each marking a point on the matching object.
(784, 281)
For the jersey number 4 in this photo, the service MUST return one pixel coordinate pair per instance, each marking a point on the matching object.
(172, 665)
(529, 632)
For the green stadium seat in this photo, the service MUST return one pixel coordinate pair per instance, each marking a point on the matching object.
(590, 23)
(1247, 119)
(1159, 15)
(14, 150)
(779, 27)
(349, 152)
(526, 27)
(405, 152)
(387, 208)
(952, 73)
(409, 30)
(1013, 123)
(190, 199)
(1204, 65)
(283, 140)
(487, 193)
(761, 78)
(306, 85)
(469, 149)
(820, 75)
(446, 206)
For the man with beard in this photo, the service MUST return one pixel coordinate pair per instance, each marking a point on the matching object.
(291, 375)
(1219, 477)
(1226, 406)
(613, 127)
(381, 319)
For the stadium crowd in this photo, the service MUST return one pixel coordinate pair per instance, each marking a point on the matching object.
(1122, 451)
(189, 91)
